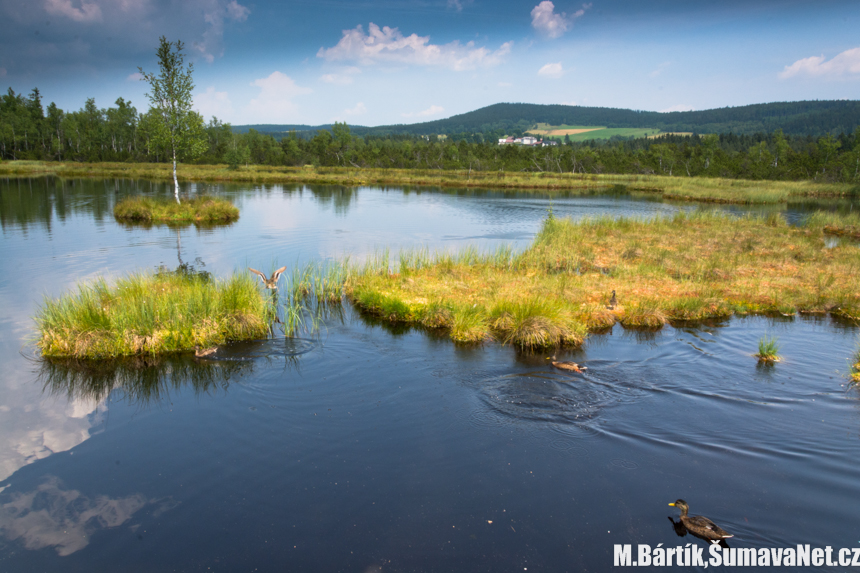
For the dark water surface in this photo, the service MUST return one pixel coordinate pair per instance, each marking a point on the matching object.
(377, 448)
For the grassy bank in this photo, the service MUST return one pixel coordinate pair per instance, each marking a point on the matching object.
(679, 188)
(152, 313)
(690, 267)
(167, 210)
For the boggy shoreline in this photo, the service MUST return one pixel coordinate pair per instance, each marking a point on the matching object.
(700, 189)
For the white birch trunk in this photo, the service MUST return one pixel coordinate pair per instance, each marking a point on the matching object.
(175, 180)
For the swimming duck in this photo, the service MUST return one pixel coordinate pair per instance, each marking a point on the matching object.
(698, 525)
(203, 352)
(613, 302)
(571, 366)
(272, 282)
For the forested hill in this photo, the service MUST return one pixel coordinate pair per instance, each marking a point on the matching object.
(793, 118)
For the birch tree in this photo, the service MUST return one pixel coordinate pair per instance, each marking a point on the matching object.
(177, 130)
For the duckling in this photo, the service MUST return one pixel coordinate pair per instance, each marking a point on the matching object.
(272, 282)
(204, 352)
(698, 525)
(571, 366)
(613, 302)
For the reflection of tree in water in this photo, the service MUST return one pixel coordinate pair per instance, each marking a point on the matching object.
(339, 196)
(27, 201)
(143, 380)
(52, 516)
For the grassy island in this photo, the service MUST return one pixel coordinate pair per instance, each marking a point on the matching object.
(167, 210)
(676, 188)
(152, 313)
(687, 268)
(768, 351)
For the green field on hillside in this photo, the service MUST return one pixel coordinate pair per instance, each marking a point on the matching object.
(586, 132)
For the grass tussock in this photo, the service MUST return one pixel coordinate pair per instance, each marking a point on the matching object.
(152, 313)
(166, 210)
(690, 267)
(677, 188)
(768, 350)
(841, 224)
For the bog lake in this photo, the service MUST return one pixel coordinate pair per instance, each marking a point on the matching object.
(378, 447)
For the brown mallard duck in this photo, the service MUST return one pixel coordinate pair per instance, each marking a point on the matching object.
(613, 302)
(698, 525)
(272, 282)
(569, 366)
(204, 352)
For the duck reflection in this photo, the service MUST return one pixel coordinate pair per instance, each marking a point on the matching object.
(681, 531)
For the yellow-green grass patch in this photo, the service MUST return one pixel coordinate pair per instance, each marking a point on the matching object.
(152, 313)
(200, 209)
(687, 268)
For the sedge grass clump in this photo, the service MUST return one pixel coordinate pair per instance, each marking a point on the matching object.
(436, 315)
(152, 313)
(768, 350)
(469, 324)
(644, 314)
(536, 323)
(832, 223)
(696, 308)
(202, 209)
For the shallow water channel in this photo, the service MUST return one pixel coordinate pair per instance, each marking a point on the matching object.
(383, 448)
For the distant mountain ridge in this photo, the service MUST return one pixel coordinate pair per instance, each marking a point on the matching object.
(812, 118)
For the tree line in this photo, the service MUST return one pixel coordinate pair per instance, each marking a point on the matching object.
(28, 130)
(815, 118)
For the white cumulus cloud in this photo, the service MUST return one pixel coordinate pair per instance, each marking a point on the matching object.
(841, 65)
(389, 45)
(432, 110)
(551, 24)
(213, 103)
(359, 109)
(135, 77)
(215, 13)
(274, 103)
(87, 12)
(551, 71)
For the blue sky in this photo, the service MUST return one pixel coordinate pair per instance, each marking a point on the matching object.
(404, 61)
